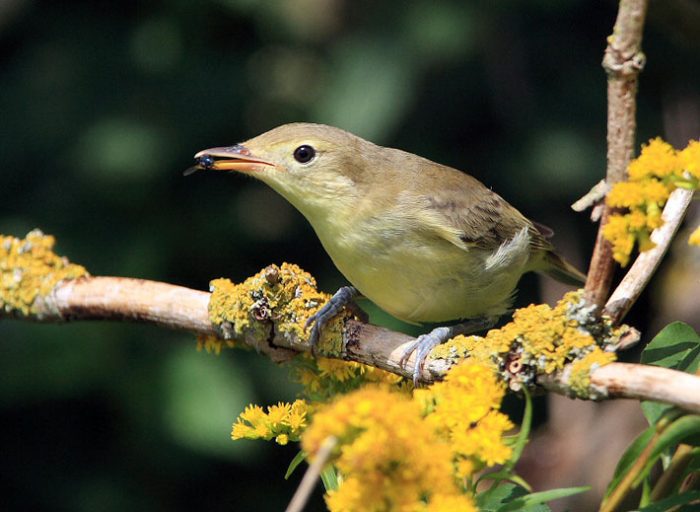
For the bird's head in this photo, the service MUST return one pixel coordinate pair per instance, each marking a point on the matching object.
(309, 164)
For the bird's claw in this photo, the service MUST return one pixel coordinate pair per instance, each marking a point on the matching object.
(422, 346)
(318, 320)
(425, 343)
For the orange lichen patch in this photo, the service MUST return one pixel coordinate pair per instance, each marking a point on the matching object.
(580, 376)
(29, 269)
(284, 295)
(539, 340)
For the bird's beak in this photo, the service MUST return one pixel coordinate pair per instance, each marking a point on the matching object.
(230, 158)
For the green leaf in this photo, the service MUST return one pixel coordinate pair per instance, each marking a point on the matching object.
(674, 501)
(646, 494)
(492, 499)
(630, 457)
(504, 475)
(524, 433)
(676, 346)
(298, 459)
(694, 464)
(682, 429)
(329, 478)
(539, 498)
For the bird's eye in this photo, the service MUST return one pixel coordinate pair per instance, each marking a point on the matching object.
(304, 154)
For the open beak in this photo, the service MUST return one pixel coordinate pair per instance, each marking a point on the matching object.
(230, 158)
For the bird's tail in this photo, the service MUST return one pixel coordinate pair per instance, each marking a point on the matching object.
(558, 268)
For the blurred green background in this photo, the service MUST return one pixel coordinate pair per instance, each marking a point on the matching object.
(103, 104)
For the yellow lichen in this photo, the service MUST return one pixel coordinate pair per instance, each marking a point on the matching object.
(580, 376)
(539, 340)
(29, 269)
(285, 295)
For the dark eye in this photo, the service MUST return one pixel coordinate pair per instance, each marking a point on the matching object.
(304, 154)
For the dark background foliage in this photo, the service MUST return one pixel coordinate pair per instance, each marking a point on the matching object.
(103, 104)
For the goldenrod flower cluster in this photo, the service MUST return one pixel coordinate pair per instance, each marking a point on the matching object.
(389, 456)
(284, 422)
(324, 378)
(657, 171)
(464, 408)
(695, 237)
(30, 269)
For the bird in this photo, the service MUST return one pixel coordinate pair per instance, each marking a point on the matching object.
(425, 242)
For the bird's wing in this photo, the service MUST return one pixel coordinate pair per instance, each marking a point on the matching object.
(475, 218)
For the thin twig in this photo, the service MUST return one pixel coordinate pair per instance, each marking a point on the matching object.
(622, 62)
(306, 487)
(639, 274)
(592, 198)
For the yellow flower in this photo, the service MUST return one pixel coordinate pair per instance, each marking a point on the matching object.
(284, 422)
(627, 194)
(690, 158)
(657, 158)
(253, 414)
(323, 378)
(390, 458)
(276, 414)
(617, 232)
(695, 237)
(297, 416)
(464, 408)
(450, 503)
(657, 171)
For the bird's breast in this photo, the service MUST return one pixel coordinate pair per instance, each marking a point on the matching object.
(413, 275)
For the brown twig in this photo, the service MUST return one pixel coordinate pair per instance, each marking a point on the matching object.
(306, 487)
(176, 307)
(622, 62)
(646, 263)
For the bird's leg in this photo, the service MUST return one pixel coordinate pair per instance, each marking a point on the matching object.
(427, 342)
(343, 297)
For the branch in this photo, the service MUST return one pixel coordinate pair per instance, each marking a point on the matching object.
(622, 62)
(176, 307)
(639, 274)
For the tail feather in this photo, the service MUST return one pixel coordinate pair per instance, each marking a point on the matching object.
(558, 268)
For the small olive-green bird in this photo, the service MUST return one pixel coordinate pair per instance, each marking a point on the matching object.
(425, 242)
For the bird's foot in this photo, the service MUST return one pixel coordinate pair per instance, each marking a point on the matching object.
(343, 297)
(427, 342)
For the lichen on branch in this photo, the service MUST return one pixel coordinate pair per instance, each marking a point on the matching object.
(29, 271)
(275, 302)
(542, 340)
